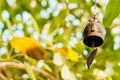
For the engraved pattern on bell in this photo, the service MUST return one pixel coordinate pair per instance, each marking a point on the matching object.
(93, 34)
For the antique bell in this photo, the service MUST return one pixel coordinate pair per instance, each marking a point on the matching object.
(93, 33)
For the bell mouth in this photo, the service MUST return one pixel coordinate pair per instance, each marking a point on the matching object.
(88, 41)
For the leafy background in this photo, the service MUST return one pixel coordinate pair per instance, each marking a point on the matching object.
(57, 25)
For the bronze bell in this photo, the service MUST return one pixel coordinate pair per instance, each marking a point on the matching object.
(93, 33)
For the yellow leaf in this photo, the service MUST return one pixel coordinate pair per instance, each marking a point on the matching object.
(28, 46)
(62, 50)
(72, 55)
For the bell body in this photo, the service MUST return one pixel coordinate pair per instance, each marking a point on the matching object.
(93, 33)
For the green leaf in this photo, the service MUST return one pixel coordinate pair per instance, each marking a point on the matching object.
(61, 38)
(29, 71)
(57, 21)
(75, 1)
(79, 47)
(108, 39)
(47, 68)
(9, 25)
(111, 12)
(35, 24)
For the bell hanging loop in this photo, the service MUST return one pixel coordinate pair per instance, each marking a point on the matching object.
(93, 33)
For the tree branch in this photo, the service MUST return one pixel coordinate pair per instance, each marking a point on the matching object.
(21, 66)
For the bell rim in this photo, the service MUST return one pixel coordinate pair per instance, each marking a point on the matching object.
(98, 39)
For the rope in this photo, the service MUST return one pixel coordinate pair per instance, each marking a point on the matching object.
(95, 9)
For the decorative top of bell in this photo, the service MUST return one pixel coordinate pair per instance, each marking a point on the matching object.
(93, 33)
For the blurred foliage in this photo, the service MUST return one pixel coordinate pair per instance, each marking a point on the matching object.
(57, 26)
(114, 10)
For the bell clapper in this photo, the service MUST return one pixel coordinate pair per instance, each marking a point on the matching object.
(92, 55)
(93, 44)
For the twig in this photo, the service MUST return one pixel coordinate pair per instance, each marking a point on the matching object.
(3, 77)
(5, 73)
(21, 66)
